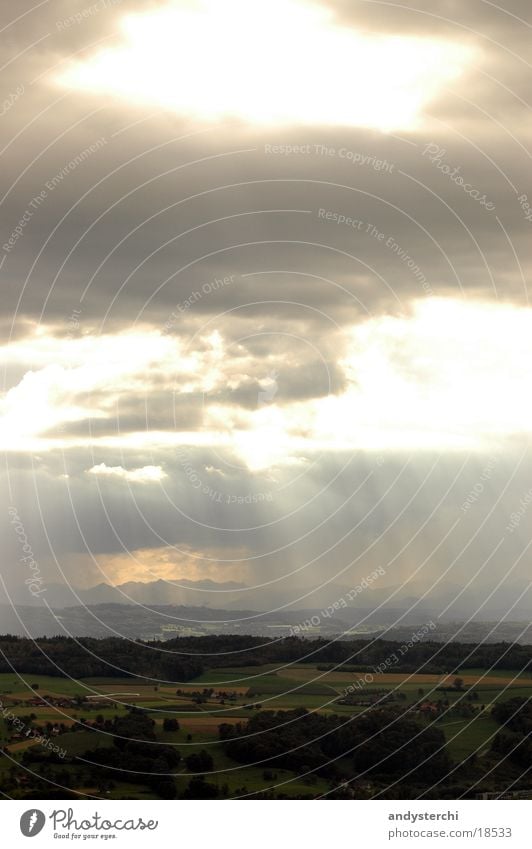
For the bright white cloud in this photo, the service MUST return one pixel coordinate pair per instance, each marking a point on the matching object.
(269, 62)
(453, 375)
(98, 369)
(146, 474)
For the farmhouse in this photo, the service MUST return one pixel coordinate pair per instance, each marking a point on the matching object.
(427, 708)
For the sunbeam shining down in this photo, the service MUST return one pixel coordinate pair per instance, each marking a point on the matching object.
(275, 62)
(266, 416)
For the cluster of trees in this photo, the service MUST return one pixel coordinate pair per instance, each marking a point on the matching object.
(186, 658)
(138, 758)
(134, 757)
(87, 657)
(170, 724)
(381, 743)
(199, 761)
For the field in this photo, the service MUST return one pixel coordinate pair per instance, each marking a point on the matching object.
(230, 696)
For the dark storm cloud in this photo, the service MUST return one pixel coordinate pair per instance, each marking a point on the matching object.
(152, 218)
(453, 242)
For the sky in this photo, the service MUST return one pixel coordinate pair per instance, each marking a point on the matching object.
(264, 312)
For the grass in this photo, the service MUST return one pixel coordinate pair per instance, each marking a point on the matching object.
(13, 684)
(77, 742)
(280, 685)
(469, 735)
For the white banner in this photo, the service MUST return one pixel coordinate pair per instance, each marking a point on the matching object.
(202, 824)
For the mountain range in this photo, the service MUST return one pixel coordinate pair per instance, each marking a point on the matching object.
(445, 602)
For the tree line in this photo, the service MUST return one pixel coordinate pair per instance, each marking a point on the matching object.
(185, 658)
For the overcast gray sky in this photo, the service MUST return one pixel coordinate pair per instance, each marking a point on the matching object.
(264, 293)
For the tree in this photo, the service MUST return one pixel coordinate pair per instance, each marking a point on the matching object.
(199, 761)
(458, 684)
(198, 788)
(135, 725)
(170, 724)
(165, 788)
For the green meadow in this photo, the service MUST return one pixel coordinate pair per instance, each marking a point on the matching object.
(231, 696)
